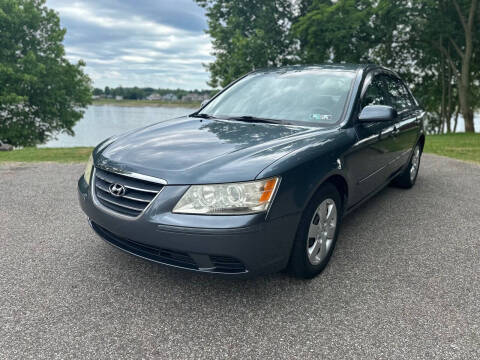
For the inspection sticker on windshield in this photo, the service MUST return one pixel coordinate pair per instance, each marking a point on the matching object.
(321, 117)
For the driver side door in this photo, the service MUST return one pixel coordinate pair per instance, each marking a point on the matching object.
(374, 149)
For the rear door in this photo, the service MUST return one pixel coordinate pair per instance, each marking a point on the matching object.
(408, 122)
(372, 154)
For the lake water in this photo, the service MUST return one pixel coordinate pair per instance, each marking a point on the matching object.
(461, 123)
(101, 122)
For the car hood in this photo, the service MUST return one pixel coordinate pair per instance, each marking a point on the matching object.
(198, 151)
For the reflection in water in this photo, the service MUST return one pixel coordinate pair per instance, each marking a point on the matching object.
(101, 122)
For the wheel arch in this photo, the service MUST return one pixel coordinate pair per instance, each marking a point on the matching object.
(336, 181)
(340, 184)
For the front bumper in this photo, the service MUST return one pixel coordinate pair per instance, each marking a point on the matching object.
(234, 245)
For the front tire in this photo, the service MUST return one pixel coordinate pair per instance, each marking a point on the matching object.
(317, 233)
(408, 177)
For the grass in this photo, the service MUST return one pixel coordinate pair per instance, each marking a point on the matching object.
(458, 146)
(64, 155)
(154, 103)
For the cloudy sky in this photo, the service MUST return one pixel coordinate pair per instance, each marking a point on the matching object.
(157, 43)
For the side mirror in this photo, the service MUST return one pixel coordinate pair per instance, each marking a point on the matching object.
(204, 102)
(377, 113)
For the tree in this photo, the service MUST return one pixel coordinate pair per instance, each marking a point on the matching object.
(247, 34)
(41, 92)
(417, 58)
(464, 22)
(344, 30)
(443, 41)
(134, 93)
(118, 91)
(433, 44)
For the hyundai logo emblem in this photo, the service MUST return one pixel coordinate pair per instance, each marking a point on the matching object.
(117, 190)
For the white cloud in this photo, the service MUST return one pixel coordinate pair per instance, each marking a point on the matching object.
(135, 59)
(125, 44)
(129, 22)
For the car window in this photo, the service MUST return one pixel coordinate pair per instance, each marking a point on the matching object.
(399, 98)
(410, 96)
(310, 96)
(374, 95)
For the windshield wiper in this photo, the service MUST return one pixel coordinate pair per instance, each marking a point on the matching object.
(246, 118)
(202, 116)
(254, 119)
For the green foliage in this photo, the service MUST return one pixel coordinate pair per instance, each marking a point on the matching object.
(434, 55)
(343, 31)
(31, 154)
(425, 41)
(41, 92)
(247, 34)
(136, 93)
(459, 146)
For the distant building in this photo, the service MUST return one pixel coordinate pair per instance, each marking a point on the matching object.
(169, 97)
(118, 97)
(194, 97)
(154, 96)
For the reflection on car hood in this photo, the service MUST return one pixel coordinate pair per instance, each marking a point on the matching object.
(194, 151)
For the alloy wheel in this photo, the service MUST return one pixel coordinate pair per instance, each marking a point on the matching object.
(415, 163)
(322, 231)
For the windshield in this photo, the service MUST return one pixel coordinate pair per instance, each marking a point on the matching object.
(308, 96)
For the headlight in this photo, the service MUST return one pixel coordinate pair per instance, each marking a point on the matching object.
(228, 199)
(88, 170)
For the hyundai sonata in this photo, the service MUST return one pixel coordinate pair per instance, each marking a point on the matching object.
(259, 178)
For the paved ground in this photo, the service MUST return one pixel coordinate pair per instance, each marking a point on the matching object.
(403, 283)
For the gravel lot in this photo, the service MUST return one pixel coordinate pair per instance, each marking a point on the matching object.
(403, 282)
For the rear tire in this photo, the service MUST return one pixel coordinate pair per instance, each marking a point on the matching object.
(317, 233)
(408, 177)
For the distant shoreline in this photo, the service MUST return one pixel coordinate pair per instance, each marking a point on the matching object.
(145, 103)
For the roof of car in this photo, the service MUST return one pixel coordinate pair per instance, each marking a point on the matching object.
(320, 67)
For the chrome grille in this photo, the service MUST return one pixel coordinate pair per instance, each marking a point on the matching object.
(138, 192)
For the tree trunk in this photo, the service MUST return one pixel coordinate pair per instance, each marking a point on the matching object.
(464, 98)
(443, 110)
(464, 86)
(449, 95)
(465, 108)
(469, 123)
